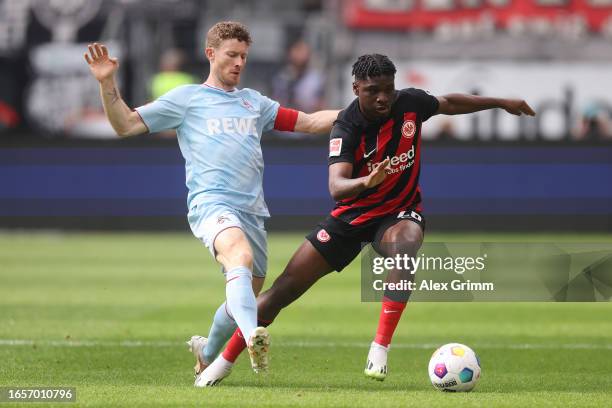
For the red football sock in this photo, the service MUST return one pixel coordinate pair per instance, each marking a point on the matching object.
(237, 343)
(389, 318)
(234, 347)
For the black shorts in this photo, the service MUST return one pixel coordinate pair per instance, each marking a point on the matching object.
(340, 243)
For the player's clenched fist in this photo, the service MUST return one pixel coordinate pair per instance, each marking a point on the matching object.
(101, 65)
(378, 174)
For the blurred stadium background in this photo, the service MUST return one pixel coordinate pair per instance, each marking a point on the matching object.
(109, 312)
(61, 166)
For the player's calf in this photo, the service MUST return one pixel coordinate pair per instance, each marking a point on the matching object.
(390, 314)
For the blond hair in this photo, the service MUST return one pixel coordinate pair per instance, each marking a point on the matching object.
(227, 30)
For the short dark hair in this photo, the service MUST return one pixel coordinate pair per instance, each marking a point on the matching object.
(372, 65)
(227, 30)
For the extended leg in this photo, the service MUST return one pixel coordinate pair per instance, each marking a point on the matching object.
(403, 238)
(221, 330)
(234, 253)
(303, 270)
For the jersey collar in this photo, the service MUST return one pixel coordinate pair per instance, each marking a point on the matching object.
(218, 89)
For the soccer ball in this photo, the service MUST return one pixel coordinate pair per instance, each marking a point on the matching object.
(454, 367)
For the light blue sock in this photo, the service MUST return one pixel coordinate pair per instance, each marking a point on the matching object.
(241, 301)
(222, 328)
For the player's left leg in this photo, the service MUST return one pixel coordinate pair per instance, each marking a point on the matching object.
(399, 236)
(206, 349)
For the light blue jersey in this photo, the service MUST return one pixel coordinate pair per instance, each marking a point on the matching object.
(219, 134)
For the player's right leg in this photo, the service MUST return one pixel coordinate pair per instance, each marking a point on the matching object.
(398, 234)
(206, 349)
(224, 231)
(235, 254)
(321, 253)
(224, 324)
(221, 330)
(306, 267)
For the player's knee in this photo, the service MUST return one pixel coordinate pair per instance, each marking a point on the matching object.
(244, 258)
(234, 257)
(404, 239)
(411, 237)
(233, 249)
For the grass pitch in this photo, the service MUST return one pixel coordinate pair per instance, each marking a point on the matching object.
(109, 314)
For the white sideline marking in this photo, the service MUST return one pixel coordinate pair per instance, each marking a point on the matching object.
(313, 344)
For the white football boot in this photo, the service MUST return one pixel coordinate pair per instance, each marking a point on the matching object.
(196, 346)
(376, 366)
(258, 345)
(214, 373)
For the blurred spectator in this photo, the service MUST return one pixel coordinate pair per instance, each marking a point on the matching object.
(10, 90)
(9, 118)
(446, 131)
(171, 73)
(299, 85)
(594, 123)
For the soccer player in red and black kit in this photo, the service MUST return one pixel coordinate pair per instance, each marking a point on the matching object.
(374, 167)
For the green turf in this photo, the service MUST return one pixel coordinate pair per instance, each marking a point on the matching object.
(107, 314)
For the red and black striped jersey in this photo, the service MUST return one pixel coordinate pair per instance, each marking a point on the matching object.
(363, 143)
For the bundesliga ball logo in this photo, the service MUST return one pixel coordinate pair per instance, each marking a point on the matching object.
(408, 129)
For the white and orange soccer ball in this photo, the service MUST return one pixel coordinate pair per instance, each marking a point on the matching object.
(454, 367)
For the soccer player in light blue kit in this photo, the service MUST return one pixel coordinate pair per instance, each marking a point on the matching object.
(219, 129)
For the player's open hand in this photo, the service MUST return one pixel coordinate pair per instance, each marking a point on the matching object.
(378, 174)
(517, 107)
(101, 65)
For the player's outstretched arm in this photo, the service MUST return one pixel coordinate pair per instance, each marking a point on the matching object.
(456, 104)
(342, 186)
(125, 121)
(318, 122)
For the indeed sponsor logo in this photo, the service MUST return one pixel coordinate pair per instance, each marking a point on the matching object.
(240, 126)
(398, 163)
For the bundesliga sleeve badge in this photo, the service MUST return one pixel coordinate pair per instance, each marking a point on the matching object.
(335, 146)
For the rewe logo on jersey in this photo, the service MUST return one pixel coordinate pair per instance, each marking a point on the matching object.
(398, 163)
(240, 126)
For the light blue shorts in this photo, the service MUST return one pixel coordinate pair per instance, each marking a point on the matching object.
(208, 220)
